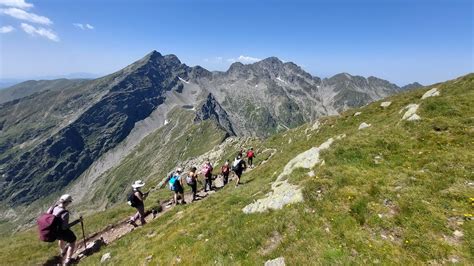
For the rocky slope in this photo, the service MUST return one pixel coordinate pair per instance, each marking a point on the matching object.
(58, 136)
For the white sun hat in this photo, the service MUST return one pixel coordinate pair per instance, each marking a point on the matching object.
(65, 198)
(138, 184)
(179, 170)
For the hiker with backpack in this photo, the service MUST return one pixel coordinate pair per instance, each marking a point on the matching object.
(191, 180)
(175, 184)
(238, 167)
(136, 199)
(250, 156)
(54, 225)
(207, 173)
(225, 171)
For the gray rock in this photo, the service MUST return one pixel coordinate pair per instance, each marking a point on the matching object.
(364, 125)
(430, 93)
(106, 257)
(276, 262)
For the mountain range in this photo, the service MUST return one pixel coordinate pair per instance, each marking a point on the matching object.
(71, 134)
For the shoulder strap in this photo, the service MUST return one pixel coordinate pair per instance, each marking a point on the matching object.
(61, 213)
(51, 209)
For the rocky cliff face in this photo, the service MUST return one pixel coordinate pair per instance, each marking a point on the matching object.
(50, 138)
(61, 158)
(211, 109)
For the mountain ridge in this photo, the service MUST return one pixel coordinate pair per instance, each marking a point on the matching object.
(118, 110)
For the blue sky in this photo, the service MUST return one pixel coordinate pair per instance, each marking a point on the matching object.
(402, 41)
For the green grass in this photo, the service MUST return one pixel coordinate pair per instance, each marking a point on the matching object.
(399, 208)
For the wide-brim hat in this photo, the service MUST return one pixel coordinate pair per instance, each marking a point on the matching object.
(65, 198)
(138, 184)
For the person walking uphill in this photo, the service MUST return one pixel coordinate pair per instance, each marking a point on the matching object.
(225, 171)
(207, 173)
(238, 166)
(191, 180)
(66, 237)
(176, 186)
(136, 199)
(250, 156)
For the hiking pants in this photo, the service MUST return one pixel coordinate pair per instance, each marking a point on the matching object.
(208, 183)
(140, 214)
(194, 189)
(250, 161)
(225, 178)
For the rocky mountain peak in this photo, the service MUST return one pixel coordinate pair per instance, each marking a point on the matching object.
(411, 86)
(211, 109)
(270, 61)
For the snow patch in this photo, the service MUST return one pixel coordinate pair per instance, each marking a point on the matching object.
(279, 79)
(187, 82)
(166, 122)
(431, 93)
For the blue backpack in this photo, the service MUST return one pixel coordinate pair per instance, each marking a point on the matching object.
(172, 181)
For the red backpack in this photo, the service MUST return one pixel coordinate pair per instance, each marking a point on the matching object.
(48, 225)
(250, 154)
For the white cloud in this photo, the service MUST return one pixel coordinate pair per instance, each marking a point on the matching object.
(16, 3)
(6, 29)
(83, 26)
(33, 31)
(23, 15)
(78, 25)
(244, 59)
(214, 60)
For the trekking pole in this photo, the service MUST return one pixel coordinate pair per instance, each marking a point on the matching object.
(83, 234)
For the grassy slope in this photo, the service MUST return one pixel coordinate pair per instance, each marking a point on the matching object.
(151, 160)
(401, 210)
(158, 153)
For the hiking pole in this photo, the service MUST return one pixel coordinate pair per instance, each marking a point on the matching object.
(83, 234)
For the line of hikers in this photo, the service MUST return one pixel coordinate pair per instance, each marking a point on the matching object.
(176, 183)
(54, 224)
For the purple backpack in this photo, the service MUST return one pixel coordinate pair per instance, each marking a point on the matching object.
(49, 225)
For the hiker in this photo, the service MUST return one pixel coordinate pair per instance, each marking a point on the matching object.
(250, 156)
(207, 173)
(191, 180)
(238, 166)
(241, 152)
(136, 200)
(176, 186)
(66, 237)
(225, 171)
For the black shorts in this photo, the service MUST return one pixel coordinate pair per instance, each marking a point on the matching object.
(66, 235)
(177, 188)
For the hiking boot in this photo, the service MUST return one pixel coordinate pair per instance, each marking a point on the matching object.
(132, 223)
(69, 261)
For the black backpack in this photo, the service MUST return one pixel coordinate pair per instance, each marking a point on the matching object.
(237, 167)
(133, 200)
